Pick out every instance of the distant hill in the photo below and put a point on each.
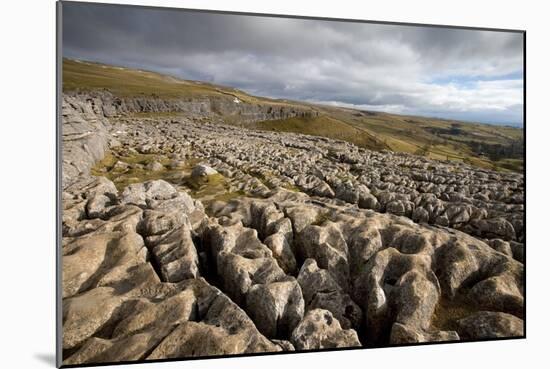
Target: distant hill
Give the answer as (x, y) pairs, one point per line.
(483, 145)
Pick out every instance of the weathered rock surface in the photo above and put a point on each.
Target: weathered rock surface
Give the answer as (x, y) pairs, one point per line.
(197, 239)
(486, 324)
(107, 105)
(277, 308)
(320, 330)
(401, 334)
(85, 137)
(203, 171)
(320, 290)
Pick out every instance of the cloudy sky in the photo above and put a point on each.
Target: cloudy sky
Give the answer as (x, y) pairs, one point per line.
(449, 73)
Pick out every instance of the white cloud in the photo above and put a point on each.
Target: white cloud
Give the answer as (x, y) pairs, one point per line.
(452, 73)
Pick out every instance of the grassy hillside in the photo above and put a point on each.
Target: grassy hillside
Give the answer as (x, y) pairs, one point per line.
(489, 146)
(493, 147)
(123, 82)
(325, 126)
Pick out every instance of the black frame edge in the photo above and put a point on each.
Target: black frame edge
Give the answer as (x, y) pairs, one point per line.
(292, 16)
(525, 184)
(58, 186)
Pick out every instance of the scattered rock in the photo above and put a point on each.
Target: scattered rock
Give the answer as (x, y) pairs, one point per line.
(202, 171)
(154, 166)
(139, 193)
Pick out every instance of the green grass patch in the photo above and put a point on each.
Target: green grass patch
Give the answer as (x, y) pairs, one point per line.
(324, 126)
(292, 188)
(515, 165)
(133, 169)
(321, 219)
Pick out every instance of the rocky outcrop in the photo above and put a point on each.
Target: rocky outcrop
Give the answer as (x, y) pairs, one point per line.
(120, 299)
(108, 105)
(84, 137)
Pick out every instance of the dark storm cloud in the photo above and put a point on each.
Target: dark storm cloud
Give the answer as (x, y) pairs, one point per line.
(451, 73)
